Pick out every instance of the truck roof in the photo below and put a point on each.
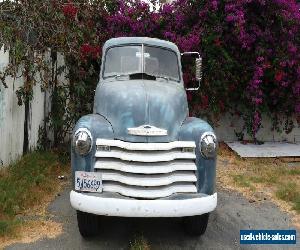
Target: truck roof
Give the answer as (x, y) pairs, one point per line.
(140, 40)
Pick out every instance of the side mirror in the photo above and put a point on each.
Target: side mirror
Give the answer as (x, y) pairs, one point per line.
(198, 63)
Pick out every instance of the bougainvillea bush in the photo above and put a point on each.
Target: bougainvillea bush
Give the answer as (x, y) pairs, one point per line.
(250, 48)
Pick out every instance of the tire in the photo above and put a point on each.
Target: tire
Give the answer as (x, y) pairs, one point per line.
(88, 224)
(195, 225)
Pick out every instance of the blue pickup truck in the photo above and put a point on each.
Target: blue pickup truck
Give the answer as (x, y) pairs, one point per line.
(140, 154)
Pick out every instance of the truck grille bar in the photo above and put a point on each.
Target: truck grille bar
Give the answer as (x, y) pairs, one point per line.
(146, 170)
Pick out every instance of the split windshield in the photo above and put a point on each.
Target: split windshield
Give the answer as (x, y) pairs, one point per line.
(129, 60)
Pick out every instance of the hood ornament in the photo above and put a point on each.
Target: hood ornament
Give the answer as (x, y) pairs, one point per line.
(147, 130)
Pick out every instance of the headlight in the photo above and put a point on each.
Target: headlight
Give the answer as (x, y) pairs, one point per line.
(208, 145)
(82, 141)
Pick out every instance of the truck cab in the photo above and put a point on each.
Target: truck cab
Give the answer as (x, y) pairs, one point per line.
(140, 154)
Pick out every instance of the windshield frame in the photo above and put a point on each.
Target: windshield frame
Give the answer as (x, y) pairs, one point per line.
(143, 45)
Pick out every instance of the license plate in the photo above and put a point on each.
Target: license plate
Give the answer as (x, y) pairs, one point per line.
(88, 181)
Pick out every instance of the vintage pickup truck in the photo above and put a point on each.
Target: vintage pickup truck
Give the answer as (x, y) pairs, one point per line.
(140, 154)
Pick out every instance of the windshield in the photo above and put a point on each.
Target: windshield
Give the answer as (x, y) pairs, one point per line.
(128, 60)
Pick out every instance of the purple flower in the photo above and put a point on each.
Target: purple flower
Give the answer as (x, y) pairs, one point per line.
(297, 108)
(260, 59)
(230, 18)
(167, 9)
(292, 48)
(257, 101)
(284, 84)
(214, 5)
(251, 59)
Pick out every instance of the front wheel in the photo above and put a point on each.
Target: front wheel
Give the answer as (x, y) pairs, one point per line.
(88, 224)
(195, 225)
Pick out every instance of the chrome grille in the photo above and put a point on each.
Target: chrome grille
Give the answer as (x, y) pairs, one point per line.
(146, 170)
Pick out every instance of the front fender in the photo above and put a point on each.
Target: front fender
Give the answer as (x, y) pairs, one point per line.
(99, 128)
(192, 130)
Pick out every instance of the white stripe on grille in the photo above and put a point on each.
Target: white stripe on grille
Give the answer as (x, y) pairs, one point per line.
(145, 146)
(147, 180)
(145, 156)
(148, 193)
(146, 168)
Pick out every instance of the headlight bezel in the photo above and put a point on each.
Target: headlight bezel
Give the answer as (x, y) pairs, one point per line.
(210, 153)
(89, 138)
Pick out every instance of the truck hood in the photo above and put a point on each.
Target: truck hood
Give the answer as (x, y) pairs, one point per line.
(134, 103)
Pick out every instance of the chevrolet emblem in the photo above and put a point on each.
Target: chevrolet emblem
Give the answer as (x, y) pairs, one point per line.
(147, 130)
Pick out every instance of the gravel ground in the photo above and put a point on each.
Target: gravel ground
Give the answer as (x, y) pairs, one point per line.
(233, 213)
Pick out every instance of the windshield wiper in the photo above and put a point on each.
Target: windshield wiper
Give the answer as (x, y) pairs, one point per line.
(118, 76)
(163, 77)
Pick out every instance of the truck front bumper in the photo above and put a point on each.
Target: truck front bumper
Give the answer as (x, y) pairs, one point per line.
(181, 207)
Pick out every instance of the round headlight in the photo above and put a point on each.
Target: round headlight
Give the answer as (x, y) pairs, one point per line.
(208, 145)
(82, 141)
